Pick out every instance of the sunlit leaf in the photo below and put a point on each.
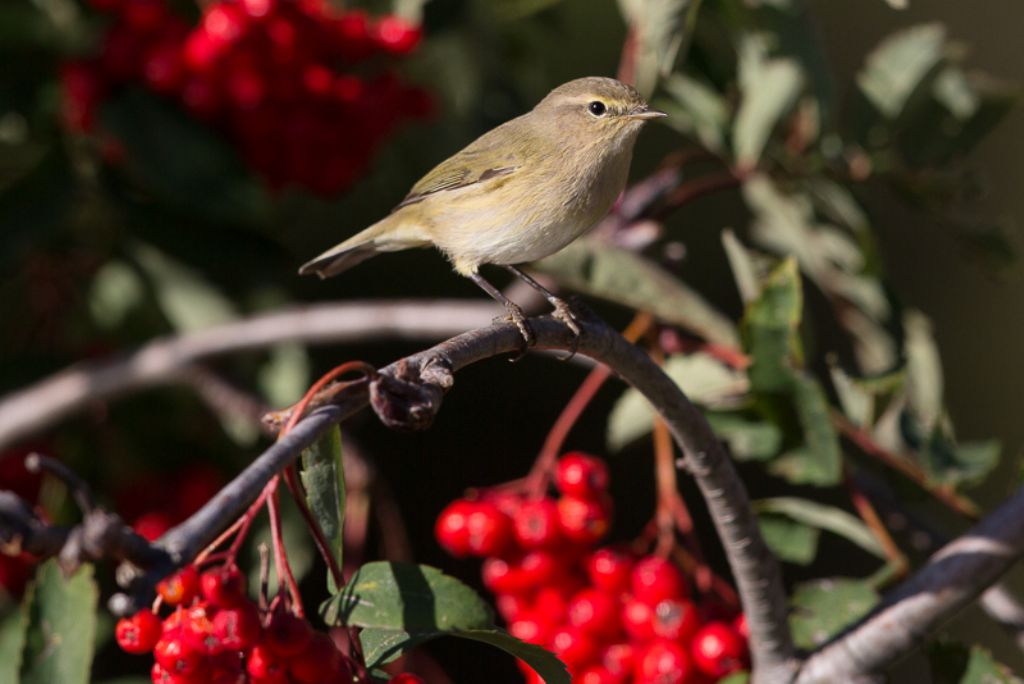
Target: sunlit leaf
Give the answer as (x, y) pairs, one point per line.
(658, 29)
(61, 633)
(628, 278)
(189, 300)
(821, 608)
(894, 69)
(14, 622)
(824, 517)
(115, 291)
(748, 439)
(285, 376)
(704, 379)
(769, 88)
(924, 371)
(696, 109)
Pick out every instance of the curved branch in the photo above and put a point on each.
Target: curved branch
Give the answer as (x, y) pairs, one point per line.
(29, 410)
(756, 570)
(951, 580)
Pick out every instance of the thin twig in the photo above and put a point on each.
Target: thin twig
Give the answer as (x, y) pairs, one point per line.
(896, 558)
(866, 443)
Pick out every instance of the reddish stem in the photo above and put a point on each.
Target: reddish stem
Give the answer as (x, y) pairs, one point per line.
(870, 516)
(536, 481)
(286, 579)
(298, 494)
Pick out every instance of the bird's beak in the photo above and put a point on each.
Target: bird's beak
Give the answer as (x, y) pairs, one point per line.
(645, 113)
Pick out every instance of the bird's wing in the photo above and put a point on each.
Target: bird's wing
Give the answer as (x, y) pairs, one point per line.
(488, 157)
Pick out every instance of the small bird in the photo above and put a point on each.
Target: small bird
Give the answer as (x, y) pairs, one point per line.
(516, 194)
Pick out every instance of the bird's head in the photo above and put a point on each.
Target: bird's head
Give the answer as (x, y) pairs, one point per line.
(596, 108)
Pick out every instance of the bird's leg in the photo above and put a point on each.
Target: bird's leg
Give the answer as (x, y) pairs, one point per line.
(562, 309)
(515, 314)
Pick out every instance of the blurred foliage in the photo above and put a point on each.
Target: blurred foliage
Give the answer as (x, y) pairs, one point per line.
(154, 226)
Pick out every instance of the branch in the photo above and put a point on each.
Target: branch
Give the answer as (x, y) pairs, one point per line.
(163, 360)
(915, 610)
(408, 394)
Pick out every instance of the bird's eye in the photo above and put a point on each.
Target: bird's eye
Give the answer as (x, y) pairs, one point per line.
(597, 108)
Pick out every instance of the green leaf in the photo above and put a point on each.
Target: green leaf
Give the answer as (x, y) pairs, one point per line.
(770, 330)
(736, 678)
(513, 10)
(821, 608)
(406, 597)
(189, 301)
(769, 88)
(822, 517)
(696, 109)
(952, 464)
(954, 663)
(284, 378)
(62, 629)
(748, 439)
(895, 69)
(381, 646)
(627, 278)
(115, 292)
(323, 475)
(924, 371)
(184, 163)
(823, 453)
(659, 28)
(14, 621)
(791, 541)
(703, 378)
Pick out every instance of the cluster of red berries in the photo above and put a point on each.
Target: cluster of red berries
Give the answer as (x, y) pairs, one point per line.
(217, 635)
(611, 616)
(275, 76)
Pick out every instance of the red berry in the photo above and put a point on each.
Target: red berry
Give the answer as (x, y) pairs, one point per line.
(287, 634)
(489, 531)
(595, 612)
(264, 666)
(177, 657)
(597, 674)
(161, 676)
(139, 633)
(638, 620)
(583, 520)
(512, 606)
(578, 474)
(172, 623)
(237, 628)
(163, 68)
(197, 630)
(676, 619)
(406, 678)
(718, 649)
(223, 587)
(451, 530)
(529, 571)
(151, 526)
(740, 625)
(180, 588)
(655, 579)
(224, 22)
(536, 524)
(664, 662)
(531, 630)
(609, 570)
(320, 662)
(396, 36)
(619, 659)
(144, 16)
(551, 604)
(574, 647)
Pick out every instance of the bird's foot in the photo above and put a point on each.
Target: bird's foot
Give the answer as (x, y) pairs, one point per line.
(515, 315)
(564, 313)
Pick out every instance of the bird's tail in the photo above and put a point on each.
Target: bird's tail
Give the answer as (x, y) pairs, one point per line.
(388, 235)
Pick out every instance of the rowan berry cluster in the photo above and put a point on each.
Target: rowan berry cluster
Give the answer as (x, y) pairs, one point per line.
(276, 77)
(613, 617)
(217, 635)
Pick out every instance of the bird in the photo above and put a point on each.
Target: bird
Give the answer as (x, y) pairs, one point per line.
(518, 193)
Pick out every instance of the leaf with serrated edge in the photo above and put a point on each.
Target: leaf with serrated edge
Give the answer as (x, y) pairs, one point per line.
(821, 608)
(619, 275)
(407, 597)
(323, 476)
(62, 628)
(823, 517)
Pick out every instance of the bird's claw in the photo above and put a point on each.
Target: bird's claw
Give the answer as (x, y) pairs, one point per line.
(564, 313)
(516, 316)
